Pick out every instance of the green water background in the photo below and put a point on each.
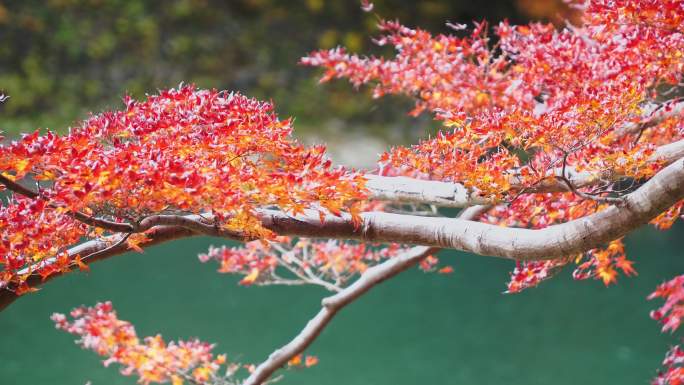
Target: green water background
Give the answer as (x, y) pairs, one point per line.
(415, 329)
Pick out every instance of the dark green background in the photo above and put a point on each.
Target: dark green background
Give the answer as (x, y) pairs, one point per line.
(415, 329)
(62, 58)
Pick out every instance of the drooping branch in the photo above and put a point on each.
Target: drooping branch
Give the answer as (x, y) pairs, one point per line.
(331, 305)
(98, 250)
(158, 229)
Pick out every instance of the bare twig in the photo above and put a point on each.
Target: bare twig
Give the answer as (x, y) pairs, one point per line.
(98, 250)
(330, 307)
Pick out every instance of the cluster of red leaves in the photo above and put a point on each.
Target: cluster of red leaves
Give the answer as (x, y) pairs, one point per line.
(602, 264)
(443, 72)
(523, 93)
(538, 211)
(672, 312)
(674, 371)
(183, 151)
(305, 260)
(665, 220)
(670, 315)
(30, 233)
(657, 18)
(152, 360)
(530, 274)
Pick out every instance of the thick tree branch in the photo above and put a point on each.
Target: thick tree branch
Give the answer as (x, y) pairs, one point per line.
(637, 208)
(655, 196)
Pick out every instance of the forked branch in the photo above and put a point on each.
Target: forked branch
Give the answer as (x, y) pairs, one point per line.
(331, 305)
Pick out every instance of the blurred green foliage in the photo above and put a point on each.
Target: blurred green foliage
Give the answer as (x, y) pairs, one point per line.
(60, 59)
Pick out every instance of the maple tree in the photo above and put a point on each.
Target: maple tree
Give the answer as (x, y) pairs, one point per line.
(556, 143)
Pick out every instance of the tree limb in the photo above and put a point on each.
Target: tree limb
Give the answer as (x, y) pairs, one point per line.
(639, 207)
(331, 305)
(98, 250)
(662, 191)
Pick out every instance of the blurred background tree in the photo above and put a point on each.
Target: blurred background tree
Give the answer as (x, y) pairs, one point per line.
(61, 59)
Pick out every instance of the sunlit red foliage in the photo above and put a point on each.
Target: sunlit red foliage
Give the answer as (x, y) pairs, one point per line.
(670, 315)
(674, 370)
(524, 94)
(665, 220)
(530, 274)
(32, 232)
(557, 96)
(153, 360)
(672, 312)
(602, 264)
(182, 151)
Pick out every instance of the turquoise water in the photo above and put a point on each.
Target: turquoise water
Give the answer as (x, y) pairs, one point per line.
(416, 329)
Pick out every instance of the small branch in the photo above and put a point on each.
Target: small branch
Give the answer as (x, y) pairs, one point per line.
(330, 307)
(588, 196)
(196, 223)
(98, 250)
(657, 115)
(95, 255)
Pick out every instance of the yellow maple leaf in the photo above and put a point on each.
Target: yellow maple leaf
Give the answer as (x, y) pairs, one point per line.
(251, 277)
